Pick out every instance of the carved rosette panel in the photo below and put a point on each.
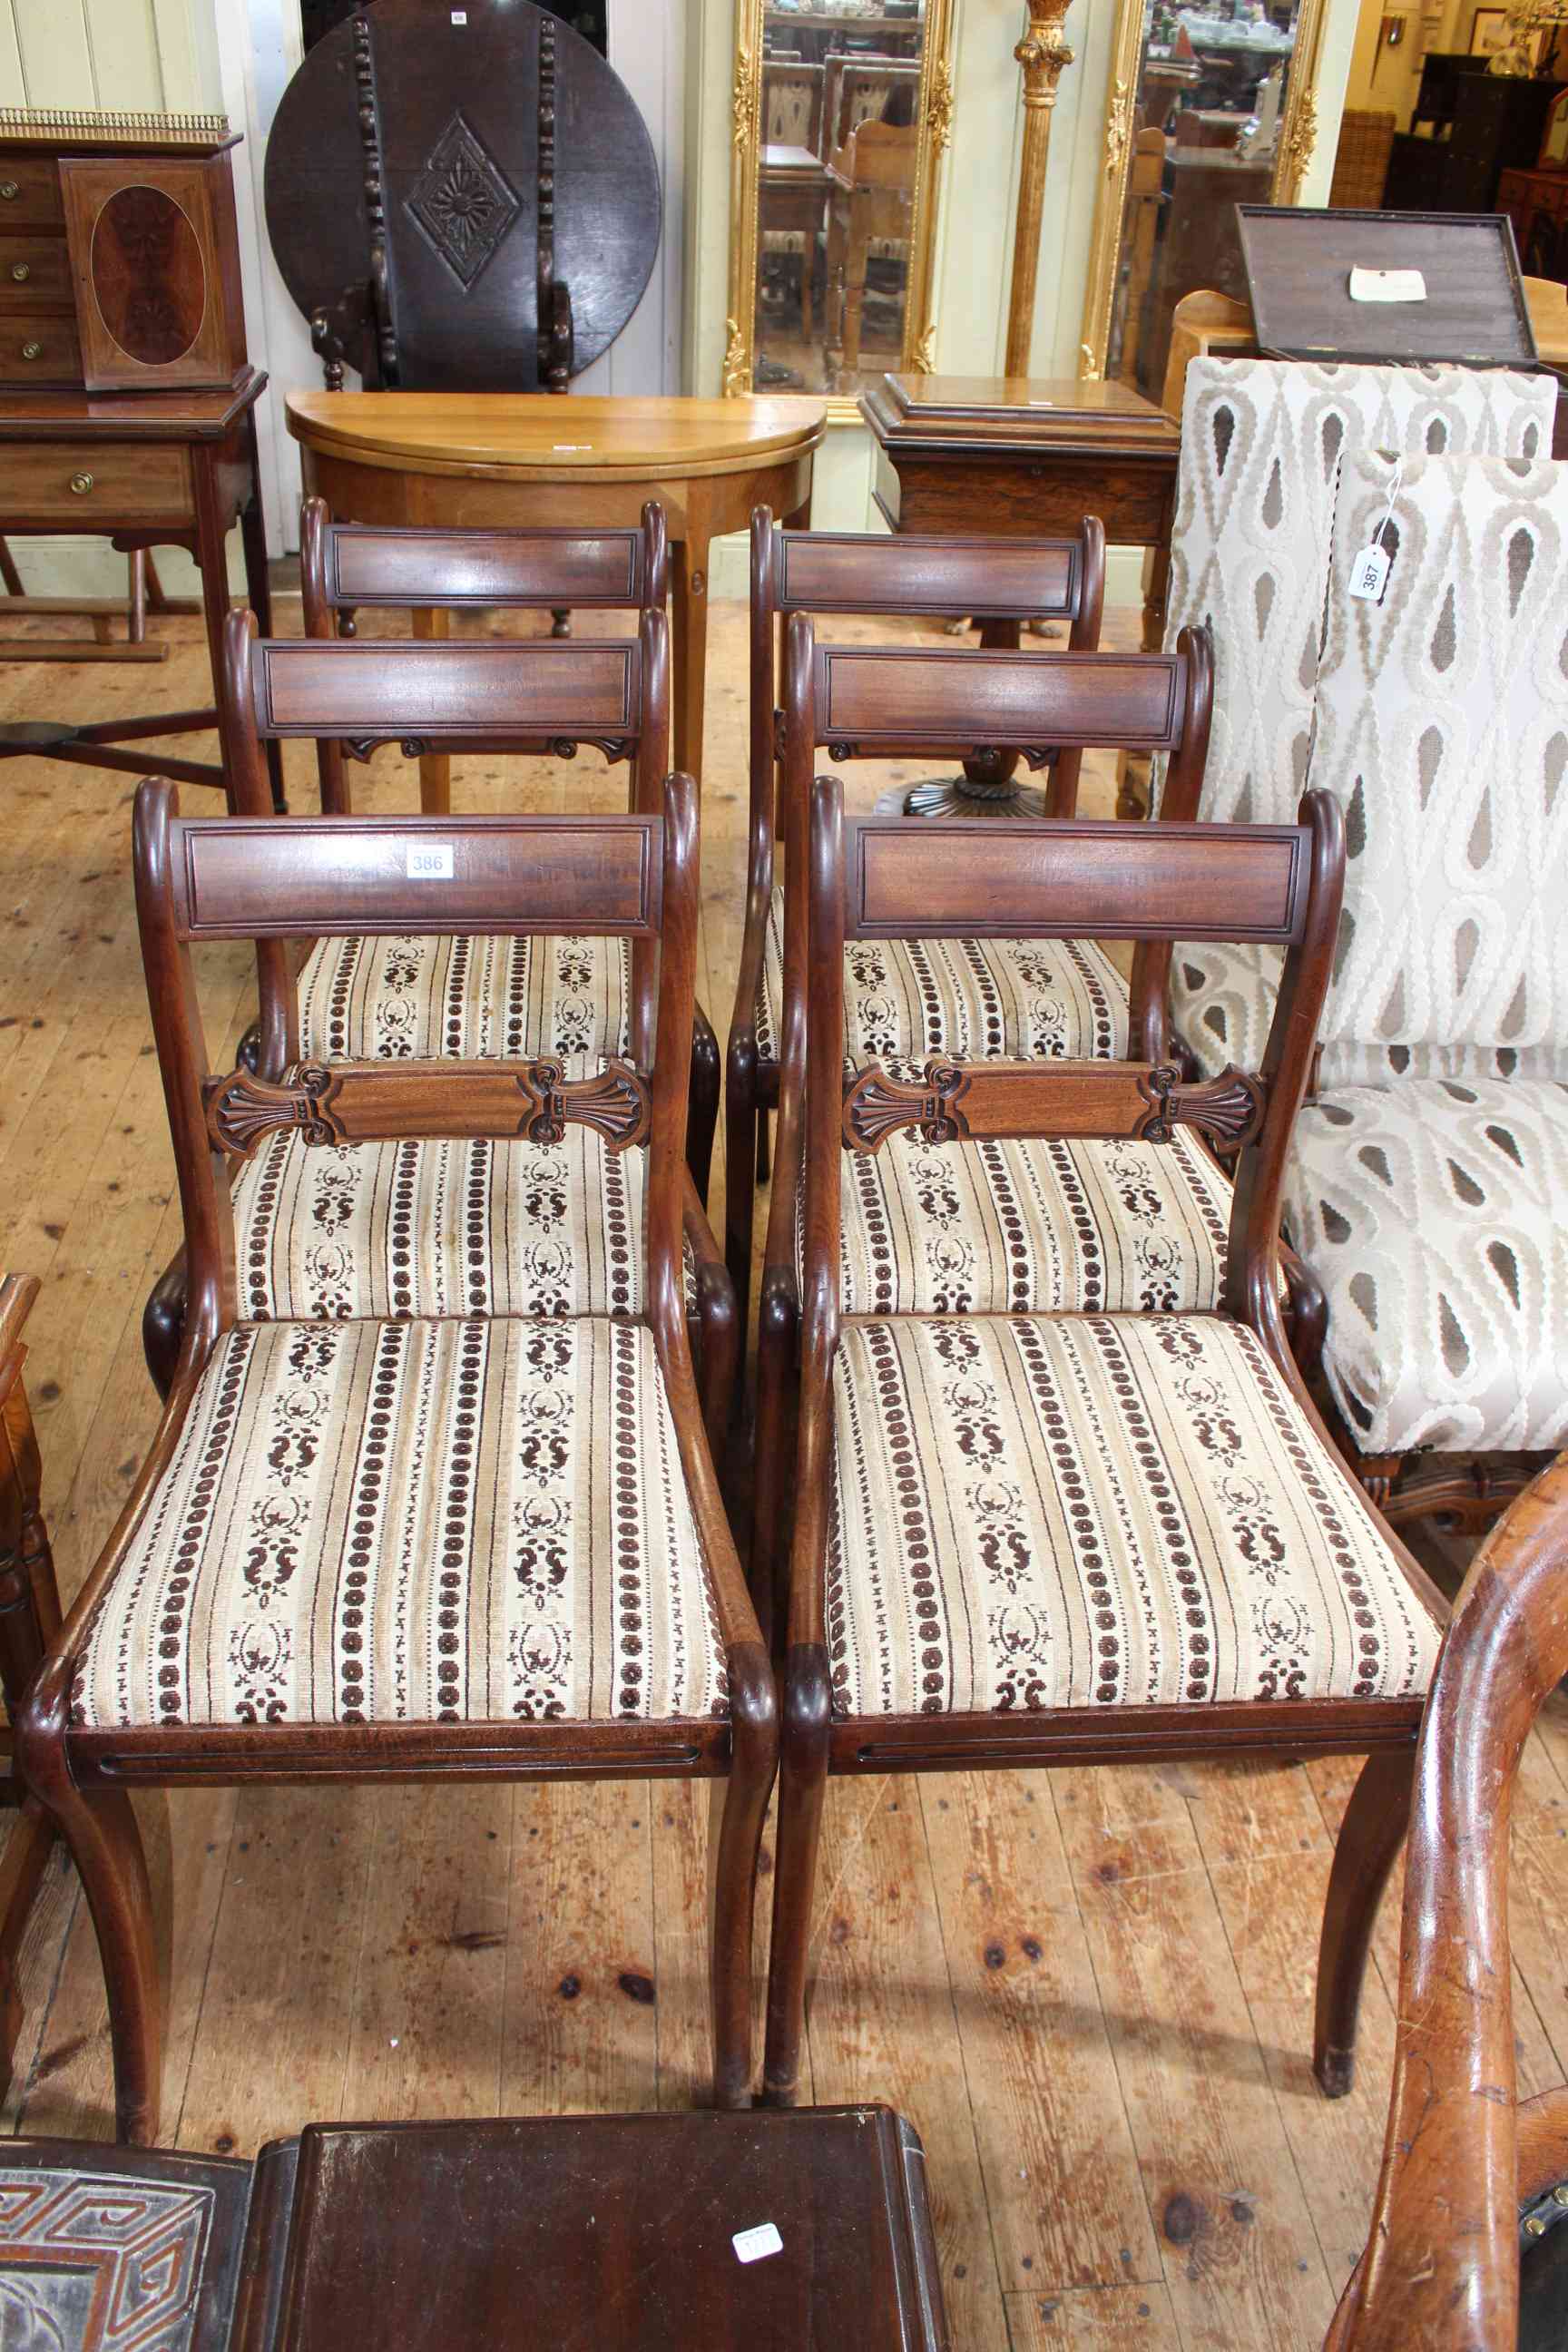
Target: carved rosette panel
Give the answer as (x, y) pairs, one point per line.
(1228, 1110)
(462, 201)
(347, 1103)
(877, 1106)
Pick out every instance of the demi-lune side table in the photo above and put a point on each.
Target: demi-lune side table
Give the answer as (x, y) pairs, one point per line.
(484, 461)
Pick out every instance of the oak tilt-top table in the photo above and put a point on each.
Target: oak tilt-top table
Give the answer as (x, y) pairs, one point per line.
(466, 460)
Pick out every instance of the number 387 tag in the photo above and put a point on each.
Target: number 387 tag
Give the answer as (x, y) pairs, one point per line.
(1369, 573)
(429, 861)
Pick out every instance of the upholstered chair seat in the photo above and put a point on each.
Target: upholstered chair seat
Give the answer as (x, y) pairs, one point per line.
(417, 999)
(423, 1522)
(426, 1227)
(1031, 1226)
(984, 1000)
(1078, 1511)
(1432, 1212)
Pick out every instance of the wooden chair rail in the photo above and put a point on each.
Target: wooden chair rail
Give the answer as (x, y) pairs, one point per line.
(585, 688)
(1140, 1102)
(363, 1102)
(350, 564)
(284, 878)
(1075, 879)
(827, 571)
(875, 699)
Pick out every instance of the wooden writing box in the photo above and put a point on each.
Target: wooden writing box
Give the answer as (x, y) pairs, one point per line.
(1299, 262)
(119, 253)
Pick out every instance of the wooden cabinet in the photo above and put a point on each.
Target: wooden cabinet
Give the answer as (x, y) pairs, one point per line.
(1537, 205)
(119, 253)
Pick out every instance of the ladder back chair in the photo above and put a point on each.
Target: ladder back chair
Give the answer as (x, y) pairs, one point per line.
(1071, 1536)
(1470, 2233)
(582, 998)
(420, 1540)
(979, 995)
(896, 578)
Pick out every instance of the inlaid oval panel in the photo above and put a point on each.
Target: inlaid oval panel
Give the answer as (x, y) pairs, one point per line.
(147, 275)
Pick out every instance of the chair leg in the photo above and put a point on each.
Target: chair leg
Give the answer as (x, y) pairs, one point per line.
(740, 1193)
(1380, 1475)
(734, 1843)
(99, 1825)
(702, 1117)
(802, 1784)
(1369, 1837)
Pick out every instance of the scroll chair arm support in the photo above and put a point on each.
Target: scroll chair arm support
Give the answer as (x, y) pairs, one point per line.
(1441, 2268)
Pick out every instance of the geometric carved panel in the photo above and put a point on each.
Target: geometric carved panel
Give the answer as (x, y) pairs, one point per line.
(461, 201)
(99, 2261)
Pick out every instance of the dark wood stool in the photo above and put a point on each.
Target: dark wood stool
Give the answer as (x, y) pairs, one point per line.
(635, 2233)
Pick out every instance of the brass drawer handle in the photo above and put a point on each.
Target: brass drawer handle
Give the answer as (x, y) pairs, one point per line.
(81, 484)
(32, 350)
(20, 272)
(9, 190)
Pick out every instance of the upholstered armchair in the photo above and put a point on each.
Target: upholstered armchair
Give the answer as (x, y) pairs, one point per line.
(1427, 1174)
(1261, 443)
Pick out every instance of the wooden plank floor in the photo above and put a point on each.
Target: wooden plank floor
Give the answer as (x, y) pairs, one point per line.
(1091, 1992)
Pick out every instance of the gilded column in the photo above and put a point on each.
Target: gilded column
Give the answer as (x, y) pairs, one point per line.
(1044, 56)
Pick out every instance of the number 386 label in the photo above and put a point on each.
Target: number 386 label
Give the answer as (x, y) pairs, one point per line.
(430, 861)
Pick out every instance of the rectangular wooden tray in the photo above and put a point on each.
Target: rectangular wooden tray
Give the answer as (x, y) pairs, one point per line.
(1299, 261)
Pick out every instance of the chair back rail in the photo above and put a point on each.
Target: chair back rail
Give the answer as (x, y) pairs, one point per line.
(518, 697)
(1275, 882)
(344, 566)
(1442, 2262)
(202, 879)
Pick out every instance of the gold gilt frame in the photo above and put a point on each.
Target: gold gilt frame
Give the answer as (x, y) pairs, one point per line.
(1298, 137)
(935, 115)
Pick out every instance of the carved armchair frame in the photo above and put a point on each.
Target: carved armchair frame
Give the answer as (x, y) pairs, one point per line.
(1277, 883)
(903, 577)
(876, 703)
(259, 878)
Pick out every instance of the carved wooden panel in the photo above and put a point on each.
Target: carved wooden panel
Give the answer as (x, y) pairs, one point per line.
(364, 1102)
(382, 566)
(904, 697)
(338, 875)
(818, 573)
(1138, 1101)
(97, 2262)
(456, 690)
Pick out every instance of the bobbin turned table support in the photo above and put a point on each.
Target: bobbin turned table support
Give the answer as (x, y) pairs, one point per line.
(459, 461)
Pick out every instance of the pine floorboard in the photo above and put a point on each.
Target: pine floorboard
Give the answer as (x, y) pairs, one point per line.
(1091, 1992)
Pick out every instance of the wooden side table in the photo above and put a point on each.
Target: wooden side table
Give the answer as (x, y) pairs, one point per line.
(456, 460)
(144, 469)
(777, 2230)
(1029, 458)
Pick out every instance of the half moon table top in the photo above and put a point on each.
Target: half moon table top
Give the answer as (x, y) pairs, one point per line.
(538, 436)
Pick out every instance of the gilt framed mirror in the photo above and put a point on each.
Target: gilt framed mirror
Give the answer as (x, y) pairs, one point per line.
(1211, 105)
(842, 113)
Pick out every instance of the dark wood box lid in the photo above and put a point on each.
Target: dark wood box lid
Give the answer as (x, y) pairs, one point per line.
(1013, 411)
(1299, 261)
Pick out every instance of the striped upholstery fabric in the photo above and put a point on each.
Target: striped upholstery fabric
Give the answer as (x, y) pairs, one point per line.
(1031, 1228)
(1078, 1511)
(979, 1000)
(395, 1231)
(475, 998)
(414, 1522)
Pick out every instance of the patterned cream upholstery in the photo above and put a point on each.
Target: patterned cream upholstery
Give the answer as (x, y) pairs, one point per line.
(981, 1000)
(414, 1522)
(1079, 1511)
(1432, 1214)
(1031, 1228)
(473, 998)
(1261, 441)
(425, 1228)
(1229, 990)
